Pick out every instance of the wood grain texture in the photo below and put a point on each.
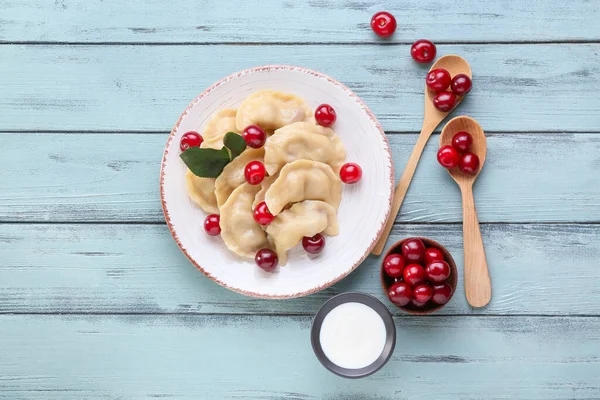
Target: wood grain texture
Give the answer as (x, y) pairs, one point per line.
(219, 357)
(57, 268)
(218, 21)
(107, 178)
(145, 88)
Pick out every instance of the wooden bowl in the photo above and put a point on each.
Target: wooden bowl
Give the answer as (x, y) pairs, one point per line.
(452, 280)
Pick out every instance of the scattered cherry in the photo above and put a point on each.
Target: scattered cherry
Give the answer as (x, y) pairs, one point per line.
(422, 293)
(462, 141)
(325, 115)
(437, 271)
(469, 163)
(383, 24)
(266, 259)
(448, 157)
(432, 254)
(350, 173)
(190, 139)
(262, 215)
(461, 84)
(254, 136)
(414, 274)
(441, 293)
(423, 51)
(211, 225)
(394, 265)
(444, 101)
(254, 172)
(313, 245)
(400, 293)
(438, 79)
(413, 251)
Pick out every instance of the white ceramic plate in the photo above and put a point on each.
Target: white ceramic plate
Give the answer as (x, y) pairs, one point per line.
(364, 209)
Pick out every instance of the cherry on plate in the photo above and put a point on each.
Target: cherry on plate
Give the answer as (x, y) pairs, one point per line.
(448, 157)
(423, 51)
(350, 173)
(254, 136)
(262, 215)
(190, 139)
(432, 254)
(444, 101)
(266, 259)
(325, 115)
(413, 251)
(461, 84)
(212, 225)
(441, 293)
(422, 293)
(469, 163)
(414, 274)
(314, 244)
(462, 141)
(437, 271)
(383, 24)
(438, 79)
(394, 265)
(400, 294)
(254, 172)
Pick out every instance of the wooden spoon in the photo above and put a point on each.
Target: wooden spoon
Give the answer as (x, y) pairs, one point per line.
(477, 278)
(455, 65)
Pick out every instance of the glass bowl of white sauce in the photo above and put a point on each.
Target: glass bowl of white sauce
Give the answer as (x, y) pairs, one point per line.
(353, 335)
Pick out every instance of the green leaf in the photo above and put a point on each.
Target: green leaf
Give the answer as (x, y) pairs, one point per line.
(205, 163)
(235, 143)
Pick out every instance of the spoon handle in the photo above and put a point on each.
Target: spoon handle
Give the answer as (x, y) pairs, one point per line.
(478, 287)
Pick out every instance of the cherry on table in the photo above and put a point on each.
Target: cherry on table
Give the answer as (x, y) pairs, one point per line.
(461, 84)
(314, 244)
(441, 293)
(437, 271)
(190, 139)
(462, 141)
(448, 157)
(350, 173)
(212, 225)
(413, 251)
(422, 293)
(383, 24)
(262, 215)
(394, 265)
(432, 254)
(400, 293)
(254, 172)
(325, 115)
(254, 136)
(469, 163)
(423, 51)
(414, 274)
(438, 79)
(266, 259)
(444, 101)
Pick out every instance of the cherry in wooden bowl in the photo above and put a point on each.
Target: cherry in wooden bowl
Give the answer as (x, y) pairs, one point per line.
(411, 248)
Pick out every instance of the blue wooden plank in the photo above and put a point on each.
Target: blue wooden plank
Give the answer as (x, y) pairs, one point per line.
(96, 177)
(516, 87)
(55, 268)
(294, 21)
(217, 357)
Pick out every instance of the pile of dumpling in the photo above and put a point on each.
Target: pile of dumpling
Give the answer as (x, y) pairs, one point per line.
(302, 188)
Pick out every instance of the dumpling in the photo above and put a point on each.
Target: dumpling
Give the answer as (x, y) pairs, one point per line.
(202, 192)
(233, 174)
(240, 233)
(264, 186)
(304, 180)
(271, 110)
(304, 140)
(217, 127)
(303, 219)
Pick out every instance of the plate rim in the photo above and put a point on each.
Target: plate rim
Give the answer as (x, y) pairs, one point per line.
(263, 68)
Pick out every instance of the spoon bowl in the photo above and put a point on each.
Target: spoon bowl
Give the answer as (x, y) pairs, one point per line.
(479, 146)
(455, 65)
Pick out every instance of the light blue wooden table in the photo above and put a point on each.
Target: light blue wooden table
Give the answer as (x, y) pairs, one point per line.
(96, 300)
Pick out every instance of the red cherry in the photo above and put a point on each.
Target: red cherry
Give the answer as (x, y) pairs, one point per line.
(438, 271)
(313, 245)
(448, 157)
(262, 215)
(438, 79)
(441, 293)
(462, 141)
(190, 139)
(266, 259)
(432, 254)
(211, 225)
(254, 136)
(414, 274)
(418, 304)
(325, 115)
(394, 265)
(254, 172)
(423, 51)
(461, 84)
(422, 293)
(350, 173)
(413, 251)
(383, 24)
(469, 163)
(400, 294)
(444, 101)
